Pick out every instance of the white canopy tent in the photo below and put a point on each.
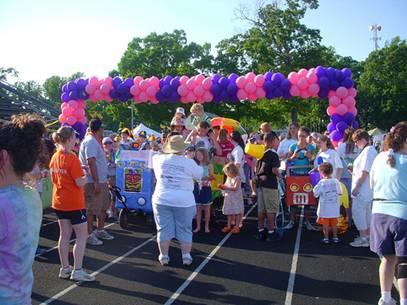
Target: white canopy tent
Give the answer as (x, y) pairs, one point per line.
(147, 130)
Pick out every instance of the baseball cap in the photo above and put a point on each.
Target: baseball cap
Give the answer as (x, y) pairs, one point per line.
(180, 110)
(142, 134)
(107, 140)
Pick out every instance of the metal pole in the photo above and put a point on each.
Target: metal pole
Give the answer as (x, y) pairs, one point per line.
(132, 117)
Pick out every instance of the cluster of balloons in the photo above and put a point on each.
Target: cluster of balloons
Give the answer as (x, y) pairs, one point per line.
(323, 82)
(73, 114)
(304, 83)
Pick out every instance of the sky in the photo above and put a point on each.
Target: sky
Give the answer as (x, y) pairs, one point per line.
(53, 37)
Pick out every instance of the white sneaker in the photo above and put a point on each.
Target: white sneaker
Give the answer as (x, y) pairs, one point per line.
(164, 259)
(186, 259)
(102, 234)
(65, 273)
(310, 227)
(109, 213)
(289, 226)
(360, 243)
(391, 302)
(81, 276)
(93, 240)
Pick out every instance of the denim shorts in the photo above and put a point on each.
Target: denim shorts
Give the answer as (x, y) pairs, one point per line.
(174, 222)
(388, 235)
(203, 196)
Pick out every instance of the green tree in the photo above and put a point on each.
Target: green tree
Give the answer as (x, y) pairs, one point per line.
(7, 72)
(383, 86)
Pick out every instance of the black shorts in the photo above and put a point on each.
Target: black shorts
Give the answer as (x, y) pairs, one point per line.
(76, 217)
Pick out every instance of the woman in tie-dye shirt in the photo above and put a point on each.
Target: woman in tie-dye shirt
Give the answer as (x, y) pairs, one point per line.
(20, 207)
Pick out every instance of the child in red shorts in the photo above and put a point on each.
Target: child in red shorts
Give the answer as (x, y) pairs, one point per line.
(328, 190)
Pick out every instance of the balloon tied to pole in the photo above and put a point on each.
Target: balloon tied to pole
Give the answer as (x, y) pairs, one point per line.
(321, 82)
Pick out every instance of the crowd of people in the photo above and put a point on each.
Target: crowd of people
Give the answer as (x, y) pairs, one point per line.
(183, 163)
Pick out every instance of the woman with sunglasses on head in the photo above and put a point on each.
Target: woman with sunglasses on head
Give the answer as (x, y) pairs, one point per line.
(361, 192)
(68, 201)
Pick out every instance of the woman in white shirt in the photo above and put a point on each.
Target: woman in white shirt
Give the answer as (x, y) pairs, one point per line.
(327, 153)
(173, 199)
(284, 147)
(361, 191)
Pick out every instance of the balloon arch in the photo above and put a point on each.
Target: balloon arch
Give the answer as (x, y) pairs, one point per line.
(326, 83)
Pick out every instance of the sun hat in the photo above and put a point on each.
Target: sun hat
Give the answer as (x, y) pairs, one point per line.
(107, 140)
(175, 144)
(180, 110)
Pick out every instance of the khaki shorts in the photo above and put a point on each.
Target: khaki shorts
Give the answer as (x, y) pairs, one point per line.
(267, 200)
(97, 203)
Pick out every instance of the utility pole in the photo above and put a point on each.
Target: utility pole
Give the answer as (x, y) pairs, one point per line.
(375, 28)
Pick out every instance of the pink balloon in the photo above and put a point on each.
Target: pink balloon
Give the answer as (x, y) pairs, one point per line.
(63, 105)
(151, 91)
(108, 81)
(61, 118)
(83, 120)
(331, 93)
(312, 78)
(107, 98)
(191, 97)
(259, 80)
(79, 113)
(207, 83)
(208, 97)
(241, 94)
(341, 92)
(135, 90)
(260, 93)
(252, 97)
(144, 85)
(182, 90)
(98, 95)
(93, 80)
(183, 79)
(352, 92)
(154, 80)
(295, 91)
(303, 72)
(199, 78)
(199, 90)
(341, 109)
(331, 110)
(199, 99)
(293, 77)
(154, 101)
(241, 82)
(81, 104)
(349, 101)
(90, 89)
(137, 80)
(68, 111)
(334, 101)
(191, 84)
(305, 94)
(250, 76)
(250, 87)
(71, 120)
(143, 97)
(313, 89)
(184, 100)
(335, 143)
(104, 88)
(302, 83)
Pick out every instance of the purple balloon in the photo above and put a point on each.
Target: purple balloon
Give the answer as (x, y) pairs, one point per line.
(347, 83)
(323, 82)
(215, 78)
(223, 82)
(320, 71)
(73, 95)
(129, 82)
(331, 73)
(331, 127)
(355, 124)
(268, 86)
(339, 75)
(114, 94)
(323, 93)
(160, 96)
(231, 88)
(215, 89)
(285, 85)
(83, 95)
(341, 126)
(65, 88)
(333, 84)
(116, 82)
(224, 96)
(268, 75)
(277, 92)
(122, 88)
(174, 96)
(336, 118)
(336, 135)
(348, 118)
(347, 72)
(65, 97)
(71, 85)
(81, 84)
(167, 79)
(233, 76)
(277, 78)
(287, 95)
(175, 83)
(166, 90)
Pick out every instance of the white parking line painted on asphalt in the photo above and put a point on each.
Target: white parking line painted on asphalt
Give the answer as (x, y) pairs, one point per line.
(293, 270)
(56, 247)
(202, 265)
(100, 270)
(49, 223)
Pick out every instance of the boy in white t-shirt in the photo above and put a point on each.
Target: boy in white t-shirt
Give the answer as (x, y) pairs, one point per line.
(328, 190)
